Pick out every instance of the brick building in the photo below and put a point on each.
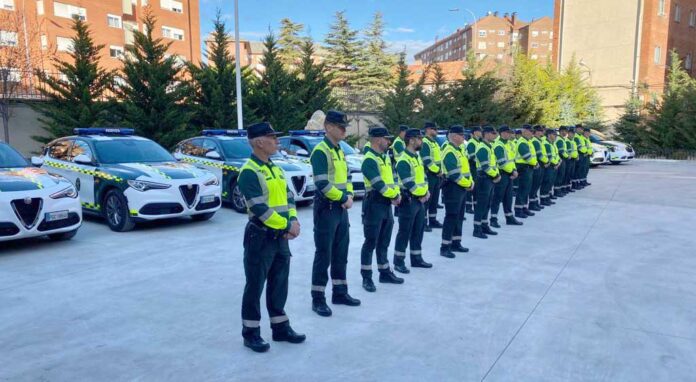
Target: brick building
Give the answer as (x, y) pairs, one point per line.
(624, 45)
(112, 23)
(493, 37)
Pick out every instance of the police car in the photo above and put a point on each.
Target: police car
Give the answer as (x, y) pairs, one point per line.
(600, 155)
(128, 179)
(300, 143)
(618, 152)
(224, 152)
(33, 202)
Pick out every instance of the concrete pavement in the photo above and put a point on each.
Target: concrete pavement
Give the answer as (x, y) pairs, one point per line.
(604, 290)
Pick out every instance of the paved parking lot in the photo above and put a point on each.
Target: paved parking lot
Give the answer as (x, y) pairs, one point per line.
(601, 287)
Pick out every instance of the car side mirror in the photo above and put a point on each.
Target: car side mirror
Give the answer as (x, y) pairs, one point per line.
(302, 153)
(213, 155)
(37, 161)
(283, 152)
(178, 156)
(83, 159)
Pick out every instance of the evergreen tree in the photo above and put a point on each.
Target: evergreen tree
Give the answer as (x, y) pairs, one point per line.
(629, 128)
(290, 43)
(78, 98)
(400, 102)
(344, 50)
(214, 97)
(313, 90)
(375, 67)
(525, 90)
(153, 95)
(436, 104)
(476, 97)
(275, 97)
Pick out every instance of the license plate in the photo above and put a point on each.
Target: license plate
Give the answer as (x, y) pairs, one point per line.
(58, 215)
(207, 198)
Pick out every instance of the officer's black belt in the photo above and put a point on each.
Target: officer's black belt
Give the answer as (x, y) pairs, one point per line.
(377, 197)
(272, 234)
(323, 201)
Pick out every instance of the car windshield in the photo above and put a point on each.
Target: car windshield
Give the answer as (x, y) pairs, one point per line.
(441, 139)
(131, 151)
(347, 149)
(595, 138)
(236, 148)
(10, 158)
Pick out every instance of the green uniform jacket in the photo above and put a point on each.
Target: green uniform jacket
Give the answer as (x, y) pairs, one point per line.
(320, 169)
(370, 170)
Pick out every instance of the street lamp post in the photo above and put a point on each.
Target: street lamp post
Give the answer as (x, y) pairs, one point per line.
(238, 69)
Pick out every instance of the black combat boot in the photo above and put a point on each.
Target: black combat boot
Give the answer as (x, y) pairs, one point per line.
(519, 213)
(528, 212)
(253, 340)
(446, 252)
(388, 277)
(457, 247)
(400, 265)
(344, 299)
(510, 220)
(494, 222)
(418, 262)
(286, 334)
(435, 224)
(368, 285)
(487, 229)
(478, 232)
(320, 307)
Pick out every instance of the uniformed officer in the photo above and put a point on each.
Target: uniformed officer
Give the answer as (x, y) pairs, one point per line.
(432, 160)
(458, 182)
(526, 162)
(471, 147)
(573, 156)
(272, 222)
(579, 140)
(378, 221)
(414, 196)
(588, 153)
(559, 186)
(398, 146)
(548, 142)
(487, 175)
(538, 173)
(367, 146)
(504, 151)
(331, 203)
(516, 181)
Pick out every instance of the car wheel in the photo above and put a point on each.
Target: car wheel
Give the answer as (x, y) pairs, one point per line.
(63, 236)
(615, 163)
(203, 217)
(116, 212)
(237, 199)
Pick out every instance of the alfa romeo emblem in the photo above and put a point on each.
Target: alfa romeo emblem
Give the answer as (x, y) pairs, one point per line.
(27, 200)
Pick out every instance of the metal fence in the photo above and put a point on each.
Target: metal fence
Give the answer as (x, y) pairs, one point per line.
(20, 86)
(675, 154)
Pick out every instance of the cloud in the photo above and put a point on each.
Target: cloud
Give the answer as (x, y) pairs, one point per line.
(402, 30)
(411, 47)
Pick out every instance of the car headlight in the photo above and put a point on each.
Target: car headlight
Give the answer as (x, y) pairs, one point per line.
(69, 192)
(212, 182)
(142, 186)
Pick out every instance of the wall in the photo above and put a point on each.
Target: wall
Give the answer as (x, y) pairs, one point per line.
(24, 124)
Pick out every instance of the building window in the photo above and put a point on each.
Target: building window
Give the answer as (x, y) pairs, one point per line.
(535, 33)
(499, 57)
(115, 51)
(7, 5)
(172, 5)
(661, 8)
(114, 21)
(515, 35)
(535, 45)
(688, 62)
(69, 11)
(173, 33)
(482, 33)
(501, 44)
(8, 38)
(692, 19)
(501, 33)
(482, 45)
(10, 75)
(39, 7)
(677, 13)
(44, 42)
(551, 35)
(658, 55)
(64, 44)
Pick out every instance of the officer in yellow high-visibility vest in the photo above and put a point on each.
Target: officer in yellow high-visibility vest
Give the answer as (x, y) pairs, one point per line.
(538, 173)
(487, 176)
(458, 181)
(581, 144)
(432, 160)
(548, 142)
(272, 222)
(414, 196)
(526, 162)
(471, 147)
(504, 151)
(513, 143)
(332, 200)
(561, 147)
(589, 151)
(573, 156)
(377, 218)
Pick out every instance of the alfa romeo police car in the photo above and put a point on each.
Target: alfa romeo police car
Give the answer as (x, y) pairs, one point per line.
(33, 202)
(300, 143)
(224, 152)
(128, 179)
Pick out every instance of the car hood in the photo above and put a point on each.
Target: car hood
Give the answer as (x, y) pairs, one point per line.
(614, 143)
(27, 179)
(598, 147)
(155, 171)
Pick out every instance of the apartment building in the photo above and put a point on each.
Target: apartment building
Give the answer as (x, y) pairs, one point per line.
(493, 37)
(624, 45)
(112, 23)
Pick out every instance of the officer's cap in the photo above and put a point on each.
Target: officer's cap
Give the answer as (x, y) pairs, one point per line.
(503, 129)
(571, 129)
(488, 129)
(430, 125)
(538, 128)
(336, 118)
(379, 132)
(403, 128)
(456, 129)
(413, 133)
(261, 129)
(563, 128)
(551, 131)
(518, 131)
(526, 127)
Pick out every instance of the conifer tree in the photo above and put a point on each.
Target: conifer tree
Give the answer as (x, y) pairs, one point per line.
(313, 91)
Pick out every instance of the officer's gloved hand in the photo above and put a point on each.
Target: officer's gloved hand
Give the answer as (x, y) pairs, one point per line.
(294, 230)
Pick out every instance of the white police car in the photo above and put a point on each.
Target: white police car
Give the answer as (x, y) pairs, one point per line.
(128, 179)
(33, 202)
(223, 152)
(300, 143)
(600, 155)
(618, 152)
